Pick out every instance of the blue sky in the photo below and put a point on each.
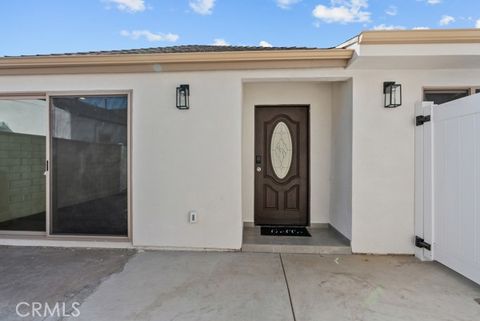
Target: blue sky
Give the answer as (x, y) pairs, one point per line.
(49, 26)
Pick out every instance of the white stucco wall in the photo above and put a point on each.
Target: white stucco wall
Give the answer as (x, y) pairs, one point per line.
(184, 160)
(187, 160)
(383, 156)
(341, 158)
(316, 94)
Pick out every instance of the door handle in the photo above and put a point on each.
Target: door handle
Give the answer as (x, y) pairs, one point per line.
(259, 169)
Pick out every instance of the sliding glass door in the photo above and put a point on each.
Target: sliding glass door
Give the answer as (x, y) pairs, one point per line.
(88, 158)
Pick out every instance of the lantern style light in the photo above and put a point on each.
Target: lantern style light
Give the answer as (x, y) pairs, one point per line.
(183, 97)
(393, 94)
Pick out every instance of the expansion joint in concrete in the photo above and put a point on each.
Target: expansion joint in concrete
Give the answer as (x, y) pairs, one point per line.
(288, 288)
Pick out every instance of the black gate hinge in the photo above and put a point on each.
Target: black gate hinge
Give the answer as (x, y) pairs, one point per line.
(420, 120)
(419, 242)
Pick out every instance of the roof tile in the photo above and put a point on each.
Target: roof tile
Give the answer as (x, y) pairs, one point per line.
(172, 49)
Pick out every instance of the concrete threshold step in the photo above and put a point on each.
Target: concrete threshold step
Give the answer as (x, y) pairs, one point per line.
(295, 248)
(322, 241)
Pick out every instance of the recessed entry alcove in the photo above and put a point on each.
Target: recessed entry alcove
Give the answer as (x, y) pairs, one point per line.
(297, 163)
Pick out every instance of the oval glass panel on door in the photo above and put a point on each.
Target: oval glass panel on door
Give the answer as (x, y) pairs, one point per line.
(281, 150)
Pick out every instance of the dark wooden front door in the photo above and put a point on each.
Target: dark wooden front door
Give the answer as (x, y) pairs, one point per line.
(281, 165)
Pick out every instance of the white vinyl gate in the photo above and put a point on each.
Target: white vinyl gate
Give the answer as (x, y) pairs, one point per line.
(447, 184)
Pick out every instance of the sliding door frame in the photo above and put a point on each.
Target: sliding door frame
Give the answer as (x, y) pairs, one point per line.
(49, 96)
(28, 96)
(48, 137)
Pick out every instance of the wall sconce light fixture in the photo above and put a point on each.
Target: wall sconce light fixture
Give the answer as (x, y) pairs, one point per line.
(183, 97)
(393, 94)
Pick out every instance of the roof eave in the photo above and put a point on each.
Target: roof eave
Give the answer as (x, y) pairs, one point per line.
(430, 36)
(172, 58)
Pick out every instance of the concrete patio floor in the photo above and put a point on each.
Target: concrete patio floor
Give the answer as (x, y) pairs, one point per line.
(154, 285)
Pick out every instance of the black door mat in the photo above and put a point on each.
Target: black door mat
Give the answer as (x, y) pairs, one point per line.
(284, 231)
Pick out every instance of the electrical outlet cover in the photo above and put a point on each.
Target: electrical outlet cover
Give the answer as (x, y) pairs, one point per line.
(192, 217)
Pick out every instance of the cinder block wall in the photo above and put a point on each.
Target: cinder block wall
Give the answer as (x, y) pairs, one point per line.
(86, 171)
(22, 183)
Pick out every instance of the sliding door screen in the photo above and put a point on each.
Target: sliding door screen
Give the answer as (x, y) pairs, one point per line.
(23, 128)
(89, 165)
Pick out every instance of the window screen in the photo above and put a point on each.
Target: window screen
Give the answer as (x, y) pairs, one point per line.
(89, 165)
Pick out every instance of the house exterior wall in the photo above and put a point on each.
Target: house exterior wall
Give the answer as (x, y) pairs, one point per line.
(318, 96)
(341, 158)
(383, 156)
(185, 160)
(181, 160)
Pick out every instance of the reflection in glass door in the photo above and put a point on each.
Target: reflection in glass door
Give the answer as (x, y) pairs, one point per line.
(22, 164)
(89, 165)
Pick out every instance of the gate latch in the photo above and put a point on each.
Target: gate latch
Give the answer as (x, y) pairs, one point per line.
(420, 243)
(420, 120)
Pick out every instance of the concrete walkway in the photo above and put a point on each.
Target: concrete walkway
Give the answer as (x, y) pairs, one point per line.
(124, 285)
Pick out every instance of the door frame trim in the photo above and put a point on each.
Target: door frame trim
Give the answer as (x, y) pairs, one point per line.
(307, 106)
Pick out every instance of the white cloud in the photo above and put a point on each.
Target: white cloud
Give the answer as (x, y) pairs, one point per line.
(420, 28)
(431, 2)
(265, 44)
(392, 11)
(388, 27)
(149, 36)
(343, 11)
(128, 5)
(220, 42)
(203, 7)
(286, 4)
(446, 20)
(477, 24)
